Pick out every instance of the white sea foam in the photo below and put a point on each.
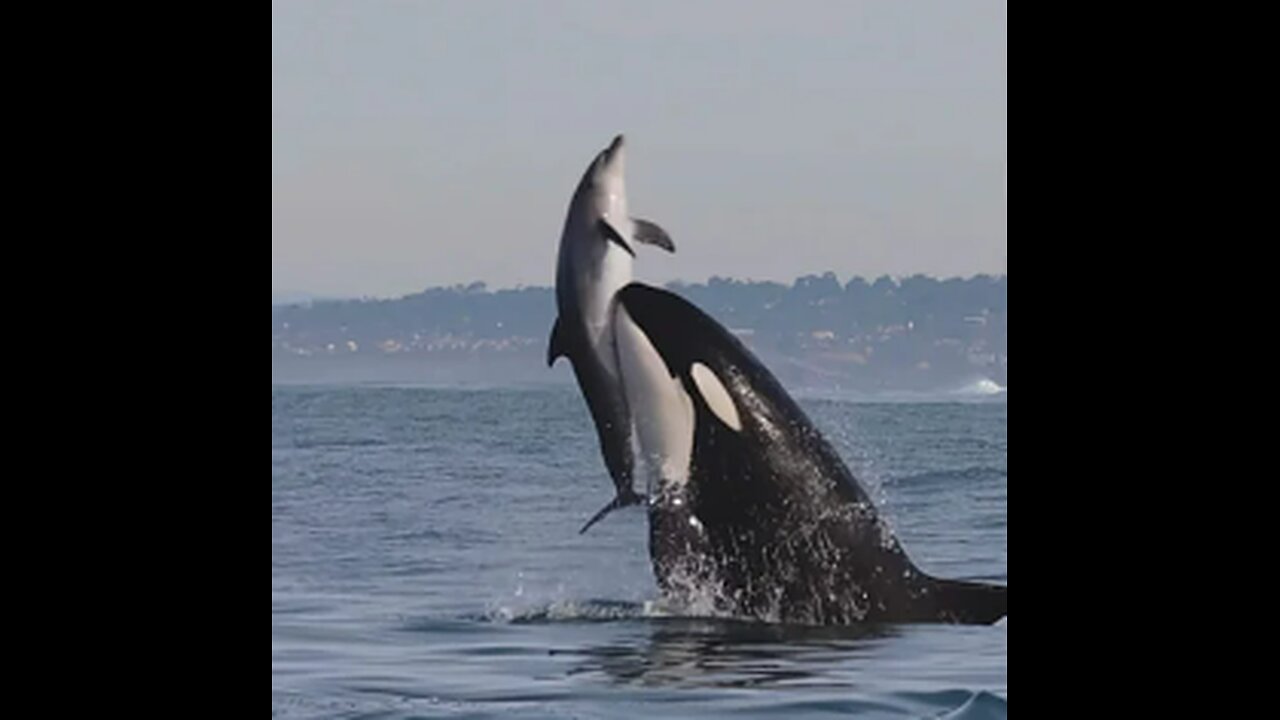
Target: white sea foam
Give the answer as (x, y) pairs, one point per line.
(982, 386)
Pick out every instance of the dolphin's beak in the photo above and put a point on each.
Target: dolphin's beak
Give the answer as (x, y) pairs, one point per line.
(610, 160)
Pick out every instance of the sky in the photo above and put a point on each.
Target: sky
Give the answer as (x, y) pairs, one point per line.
(416, 144)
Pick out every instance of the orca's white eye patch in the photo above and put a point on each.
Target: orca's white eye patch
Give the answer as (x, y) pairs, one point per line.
(715, 395)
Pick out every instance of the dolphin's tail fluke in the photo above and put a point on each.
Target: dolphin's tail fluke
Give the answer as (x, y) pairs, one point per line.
(623, 499)
(971, 603)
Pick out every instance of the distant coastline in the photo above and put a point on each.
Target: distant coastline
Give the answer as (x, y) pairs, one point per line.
(911, 334)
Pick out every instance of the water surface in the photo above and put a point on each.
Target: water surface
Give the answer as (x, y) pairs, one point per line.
(425, 562)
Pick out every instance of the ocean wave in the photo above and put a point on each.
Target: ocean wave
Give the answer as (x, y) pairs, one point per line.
(593, 610)
(981, 704)
(946, 477)
(982, 387)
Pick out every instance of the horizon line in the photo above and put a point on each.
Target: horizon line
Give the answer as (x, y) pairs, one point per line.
(300, 296)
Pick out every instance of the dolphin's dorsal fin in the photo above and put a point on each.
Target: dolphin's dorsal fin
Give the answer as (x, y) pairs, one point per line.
(556, 345)
(611, 234)
(650, 234)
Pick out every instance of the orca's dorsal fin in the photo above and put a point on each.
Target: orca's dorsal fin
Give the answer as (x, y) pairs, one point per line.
(622, 500)
(650, 234)
(556, 345)
(611, 234)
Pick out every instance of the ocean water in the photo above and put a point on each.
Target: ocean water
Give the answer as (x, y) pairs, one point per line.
(426, 562)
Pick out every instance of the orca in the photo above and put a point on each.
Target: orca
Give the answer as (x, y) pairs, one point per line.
(596, 251)
(750, 509)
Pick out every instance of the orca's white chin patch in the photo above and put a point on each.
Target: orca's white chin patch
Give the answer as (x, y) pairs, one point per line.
(660, 408)
(716, 396)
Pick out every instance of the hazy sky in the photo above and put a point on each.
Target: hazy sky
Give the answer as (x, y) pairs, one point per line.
(430, 143)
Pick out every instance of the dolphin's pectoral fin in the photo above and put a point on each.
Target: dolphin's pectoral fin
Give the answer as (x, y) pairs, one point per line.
(650, 234)
(622, 500)
(556, 345)
(611, 234)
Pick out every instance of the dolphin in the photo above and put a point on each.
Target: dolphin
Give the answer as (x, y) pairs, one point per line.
(596, 251)
(751, 510)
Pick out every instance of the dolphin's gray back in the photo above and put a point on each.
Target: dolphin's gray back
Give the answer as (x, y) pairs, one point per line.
(601, 388)
(608, 406)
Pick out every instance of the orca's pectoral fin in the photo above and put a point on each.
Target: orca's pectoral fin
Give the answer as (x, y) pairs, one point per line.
(611, 234)
(556, 344)
(650, 234)
(620, 501)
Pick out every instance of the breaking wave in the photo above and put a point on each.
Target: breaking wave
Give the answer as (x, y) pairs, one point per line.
(982, 387)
